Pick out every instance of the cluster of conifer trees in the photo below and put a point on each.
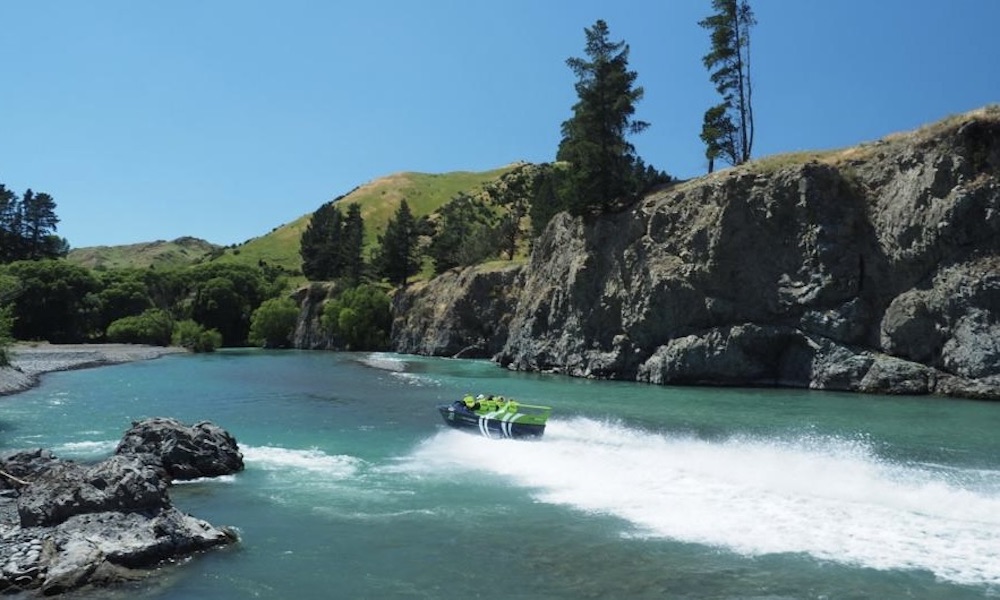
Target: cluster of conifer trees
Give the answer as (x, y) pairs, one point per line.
(596, 171)
(27, 226)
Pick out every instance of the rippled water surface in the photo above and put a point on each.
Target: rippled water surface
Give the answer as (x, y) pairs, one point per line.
(355, 489)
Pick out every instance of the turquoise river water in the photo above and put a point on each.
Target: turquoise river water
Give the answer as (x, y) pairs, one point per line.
(354, 488)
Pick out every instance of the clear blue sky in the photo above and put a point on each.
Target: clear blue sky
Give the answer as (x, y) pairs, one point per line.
(223, 119)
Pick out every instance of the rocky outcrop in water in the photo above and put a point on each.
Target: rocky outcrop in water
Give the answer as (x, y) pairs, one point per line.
(873, 269)
(64, 525)
(186, 452)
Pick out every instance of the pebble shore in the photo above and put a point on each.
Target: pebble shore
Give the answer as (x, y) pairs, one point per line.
(30, 361)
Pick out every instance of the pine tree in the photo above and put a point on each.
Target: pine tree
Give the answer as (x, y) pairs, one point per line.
(594, 138)
(728, 127)
(512, 193)
(10, 231)
(353, 244)
(40, 220)
(397, 258)
(319, 246)
(546, 201)
(465, 234)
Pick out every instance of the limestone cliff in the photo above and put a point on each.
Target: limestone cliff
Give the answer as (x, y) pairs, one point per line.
(873, 269)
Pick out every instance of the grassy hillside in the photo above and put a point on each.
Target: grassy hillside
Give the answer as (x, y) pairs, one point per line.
(378, 200)
(177, 253)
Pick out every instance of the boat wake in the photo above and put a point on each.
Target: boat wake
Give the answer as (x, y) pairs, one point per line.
(384, 362)
(831, 498)
(316, 462)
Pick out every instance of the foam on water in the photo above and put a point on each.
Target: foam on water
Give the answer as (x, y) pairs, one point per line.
(272, 458)
(416, 380)
(383, 361)
(85, 449)
(217, 479)
(830, 498)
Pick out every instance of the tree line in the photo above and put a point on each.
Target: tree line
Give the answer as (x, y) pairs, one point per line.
(28, 225)
(596, 170)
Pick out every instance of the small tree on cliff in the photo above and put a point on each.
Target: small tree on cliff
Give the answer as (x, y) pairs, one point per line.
(594, 139)
(727, 129)
(397, 256)
(465, 234)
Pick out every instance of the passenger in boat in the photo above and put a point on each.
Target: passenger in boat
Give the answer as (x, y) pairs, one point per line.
(468, 401)
(511, 406)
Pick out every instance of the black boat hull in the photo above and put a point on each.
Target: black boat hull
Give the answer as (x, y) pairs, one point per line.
(495, 425)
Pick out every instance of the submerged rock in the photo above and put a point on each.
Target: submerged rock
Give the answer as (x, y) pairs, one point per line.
(64, 525)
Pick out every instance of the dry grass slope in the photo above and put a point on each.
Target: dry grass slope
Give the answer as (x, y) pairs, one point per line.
(379, 199)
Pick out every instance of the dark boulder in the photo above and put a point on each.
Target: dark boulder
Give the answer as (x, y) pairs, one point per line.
(65, 525)
(186, 452)
(20, 465)
(110, 547)
(121, 483)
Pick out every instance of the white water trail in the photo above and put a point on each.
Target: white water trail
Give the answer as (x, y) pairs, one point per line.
(313, 461)
(833, 499)
(85, 450)
(384, 362)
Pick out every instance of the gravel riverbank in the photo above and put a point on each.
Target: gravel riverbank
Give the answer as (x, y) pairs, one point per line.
(30, 361)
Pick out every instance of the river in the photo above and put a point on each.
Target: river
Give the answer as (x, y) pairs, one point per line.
(354, 488)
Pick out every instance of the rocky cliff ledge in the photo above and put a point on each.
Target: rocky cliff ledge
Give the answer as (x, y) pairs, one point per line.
(872, 269)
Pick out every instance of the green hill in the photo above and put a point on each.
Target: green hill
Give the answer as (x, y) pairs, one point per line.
(378, 199)
(161, 254)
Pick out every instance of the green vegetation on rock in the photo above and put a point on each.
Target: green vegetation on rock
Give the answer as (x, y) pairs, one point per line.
(360, 318)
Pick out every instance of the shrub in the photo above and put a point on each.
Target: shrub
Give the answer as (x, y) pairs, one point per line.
(273, 323)
(153, 326)
(195, 337)
(6, 324)
(360, 317)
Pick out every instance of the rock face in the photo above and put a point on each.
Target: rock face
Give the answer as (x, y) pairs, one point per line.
(463, 314)
(309, 332)
(873, 269)
(201, 450)
(64, 525)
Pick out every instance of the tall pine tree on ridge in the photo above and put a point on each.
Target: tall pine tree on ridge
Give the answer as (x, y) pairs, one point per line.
(601, 174)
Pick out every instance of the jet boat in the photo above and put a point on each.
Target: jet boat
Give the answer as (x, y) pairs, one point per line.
(497, 418)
